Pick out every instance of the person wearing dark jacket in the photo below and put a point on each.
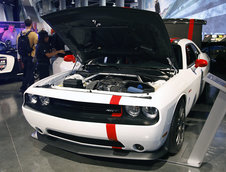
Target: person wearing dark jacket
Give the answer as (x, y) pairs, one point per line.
(157, 6)
(44, 53)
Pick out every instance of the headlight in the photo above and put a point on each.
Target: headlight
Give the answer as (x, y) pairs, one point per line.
(44, 100)
(150, 112)
(133, 111)
(33, 99)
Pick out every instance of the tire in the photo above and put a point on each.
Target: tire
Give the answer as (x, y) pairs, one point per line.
(176, 135)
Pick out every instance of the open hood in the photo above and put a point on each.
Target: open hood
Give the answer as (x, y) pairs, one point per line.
(94, 32)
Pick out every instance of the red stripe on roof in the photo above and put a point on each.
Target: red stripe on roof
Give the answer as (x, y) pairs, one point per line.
(191, 28)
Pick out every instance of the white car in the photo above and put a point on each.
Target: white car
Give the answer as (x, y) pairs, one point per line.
(129, 98)
(10, 66)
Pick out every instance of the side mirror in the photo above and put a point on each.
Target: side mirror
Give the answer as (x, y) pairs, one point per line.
(69, 58)
(201, 63)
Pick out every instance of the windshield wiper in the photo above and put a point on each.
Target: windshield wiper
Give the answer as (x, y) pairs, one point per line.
(165, 71)
(150, 77)
(101, 65)
(45, 86)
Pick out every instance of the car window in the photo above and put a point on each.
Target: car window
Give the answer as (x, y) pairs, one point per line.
(196, 51)
(178, 55)
(191, 54)
(2, 46)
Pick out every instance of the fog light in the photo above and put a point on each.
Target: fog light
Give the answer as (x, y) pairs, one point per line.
(33, 99)
(138, 147)
(44, 100)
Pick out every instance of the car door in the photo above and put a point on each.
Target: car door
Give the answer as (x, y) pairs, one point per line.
(194, 74)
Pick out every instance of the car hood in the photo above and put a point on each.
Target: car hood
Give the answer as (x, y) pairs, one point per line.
(94, 32)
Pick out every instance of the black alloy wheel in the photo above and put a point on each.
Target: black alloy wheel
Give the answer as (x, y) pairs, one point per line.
(176, 135)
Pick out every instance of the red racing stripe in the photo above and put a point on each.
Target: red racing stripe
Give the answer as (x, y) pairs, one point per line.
(113, 147)
(191, 28)
(115, 100)
(111, 132)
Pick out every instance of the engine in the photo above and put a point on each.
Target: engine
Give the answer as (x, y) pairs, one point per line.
(106, 82)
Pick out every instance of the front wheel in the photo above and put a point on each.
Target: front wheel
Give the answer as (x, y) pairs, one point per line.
(176, 135)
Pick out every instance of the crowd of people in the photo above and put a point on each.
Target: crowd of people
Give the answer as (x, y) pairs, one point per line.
(35, 50)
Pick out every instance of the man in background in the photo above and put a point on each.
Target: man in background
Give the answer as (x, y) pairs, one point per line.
(10, 35)
(157, 6)
(28, 58)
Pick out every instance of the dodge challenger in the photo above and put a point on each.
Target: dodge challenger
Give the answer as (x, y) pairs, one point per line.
(129, 98)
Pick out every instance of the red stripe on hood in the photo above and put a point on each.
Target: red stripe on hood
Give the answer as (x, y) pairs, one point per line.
(115, 100)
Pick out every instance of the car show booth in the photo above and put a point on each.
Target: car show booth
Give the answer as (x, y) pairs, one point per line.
(139, 85)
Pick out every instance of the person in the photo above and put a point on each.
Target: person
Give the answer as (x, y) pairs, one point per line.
(11, 35)
(55, 43)
(157, 6)
(44, 53)
(28, 75)
(1, 32)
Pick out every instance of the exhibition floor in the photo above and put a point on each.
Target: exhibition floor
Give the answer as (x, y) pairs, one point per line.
(19, 152)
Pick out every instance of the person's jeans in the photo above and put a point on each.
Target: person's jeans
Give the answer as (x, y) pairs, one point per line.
(28, 76)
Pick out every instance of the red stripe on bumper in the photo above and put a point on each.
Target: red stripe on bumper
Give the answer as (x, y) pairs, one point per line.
(111, 132)
(190, 29)
(113, 147)
(115, 100)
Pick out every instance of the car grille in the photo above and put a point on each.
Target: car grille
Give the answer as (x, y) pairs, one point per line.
(87, 107)
(85, 140)
(89, 112)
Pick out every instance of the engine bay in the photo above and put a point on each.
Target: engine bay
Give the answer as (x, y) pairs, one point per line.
(112, 82)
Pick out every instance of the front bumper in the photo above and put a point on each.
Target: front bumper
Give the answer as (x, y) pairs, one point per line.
(101, 152)
(150, 137)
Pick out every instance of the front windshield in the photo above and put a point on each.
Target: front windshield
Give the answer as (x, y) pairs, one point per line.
(125, 62)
